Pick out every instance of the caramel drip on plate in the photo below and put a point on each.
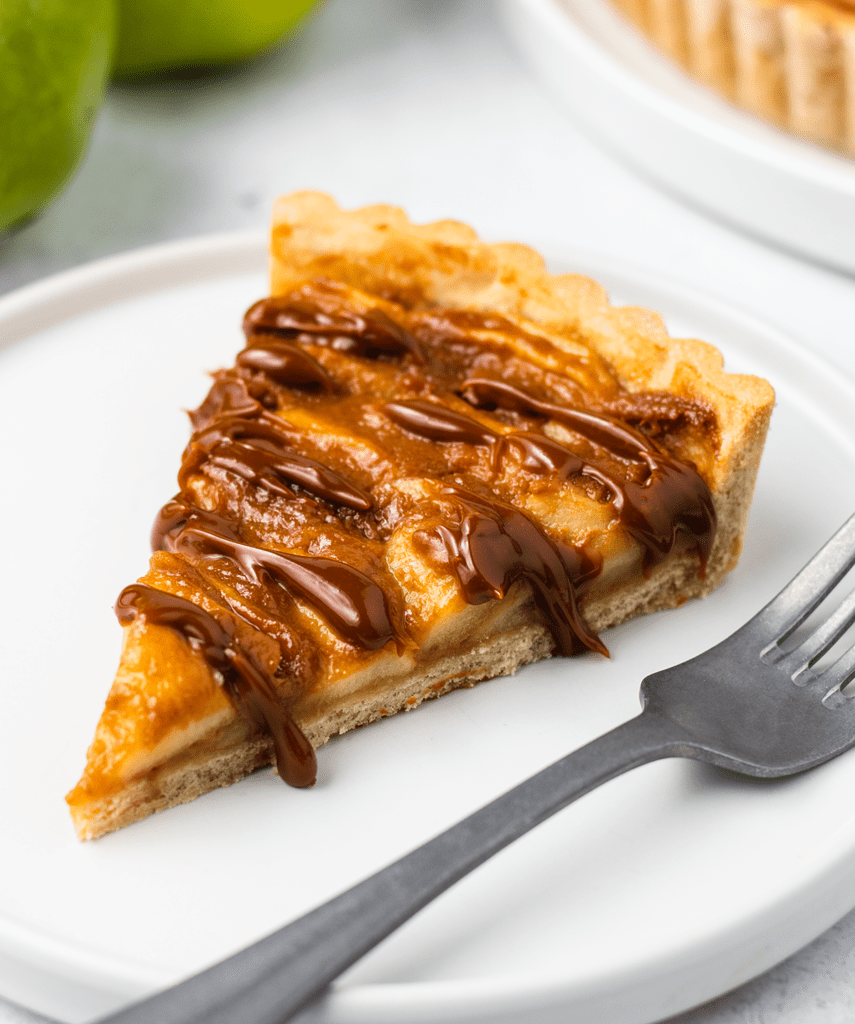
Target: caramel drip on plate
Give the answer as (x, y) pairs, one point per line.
(292, 474)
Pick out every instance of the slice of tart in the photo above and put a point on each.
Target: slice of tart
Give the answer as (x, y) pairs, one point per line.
(432, 462)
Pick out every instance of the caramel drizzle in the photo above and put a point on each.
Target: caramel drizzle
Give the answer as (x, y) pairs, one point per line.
(283, 362)
(249, 687)
(671, 497)
(321, 318)
(437, 423)
(253, 446)
(352, 603)
(488, 545)
(496, 545)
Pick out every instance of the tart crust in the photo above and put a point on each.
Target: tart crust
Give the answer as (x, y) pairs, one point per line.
(169, 732)
(790, 62)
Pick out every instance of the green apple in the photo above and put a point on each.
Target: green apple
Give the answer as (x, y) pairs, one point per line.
(54, 63)
(161, 35)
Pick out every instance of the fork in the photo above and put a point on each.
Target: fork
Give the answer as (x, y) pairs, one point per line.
(751, 704)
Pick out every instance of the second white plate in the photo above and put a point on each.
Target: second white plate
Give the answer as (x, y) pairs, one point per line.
(662, 889)
(656, 118)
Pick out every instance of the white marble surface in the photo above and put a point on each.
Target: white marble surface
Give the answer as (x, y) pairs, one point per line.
(426, 103)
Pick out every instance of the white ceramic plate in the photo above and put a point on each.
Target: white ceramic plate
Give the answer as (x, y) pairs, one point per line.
(682, 135)
(657, 891)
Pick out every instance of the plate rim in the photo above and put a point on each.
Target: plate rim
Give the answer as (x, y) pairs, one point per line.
(811, 161)
(207, 256)
(604, 96)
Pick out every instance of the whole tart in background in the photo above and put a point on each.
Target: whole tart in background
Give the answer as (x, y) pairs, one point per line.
(792, 62)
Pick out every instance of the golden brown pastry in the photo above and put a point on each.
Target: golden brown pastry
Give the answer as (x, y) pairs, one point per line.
(792, 62)
(432, 463)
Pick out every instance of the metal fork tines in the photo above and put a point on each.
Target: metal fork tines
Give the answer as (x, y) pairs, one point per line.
(808, 589)
(801, 598)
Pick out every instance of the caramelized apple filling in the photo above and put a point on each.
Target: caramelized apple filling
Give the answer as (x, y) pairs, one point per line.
(359, 448)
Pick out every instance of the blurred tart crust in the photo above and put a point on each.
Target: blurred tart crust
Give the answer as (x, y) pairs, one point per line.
(790, 62)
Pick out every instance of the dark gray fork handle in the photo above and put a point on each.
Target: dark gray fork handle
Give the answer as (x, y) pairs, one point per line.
(269, 982)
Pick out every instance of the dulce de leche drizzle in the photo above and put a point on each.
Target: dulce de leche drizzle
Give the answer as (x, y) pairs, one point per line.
(284, 362)
(495, 545)
(437, 423)
(671, 496)
(288, 487)
(352, 603)
(254, 445)
(321, 317)
(248, 686)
